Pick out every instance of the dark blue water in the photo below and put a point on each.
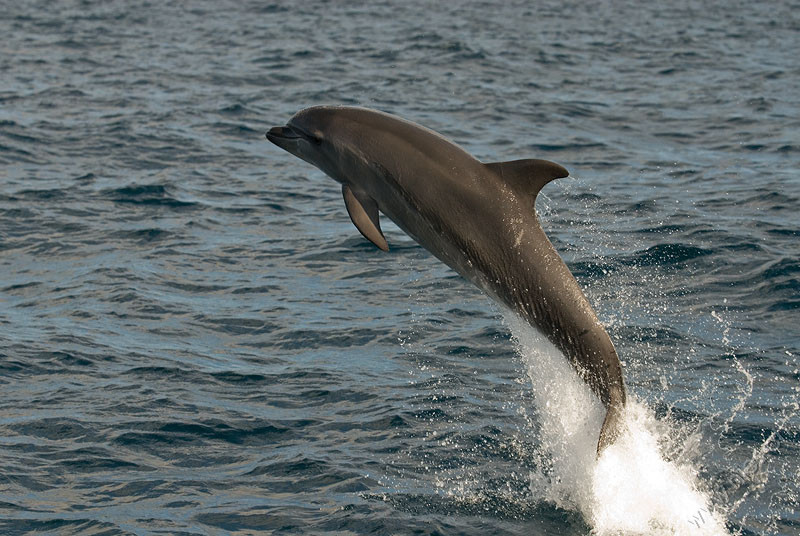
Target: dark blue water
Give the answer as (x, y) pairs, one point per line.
(195, 340)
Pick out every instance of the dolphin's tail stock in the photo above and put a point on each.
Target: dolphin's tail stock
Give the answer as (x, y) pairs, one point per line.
(612, 426)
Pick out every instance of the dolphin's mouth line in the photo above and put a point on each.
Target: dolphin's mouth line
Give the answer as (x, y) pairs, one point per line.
(283, 133)
(291, 133)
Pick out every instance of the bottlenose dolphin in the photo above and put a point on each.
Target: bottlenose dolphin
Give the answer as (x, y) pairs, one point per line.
(477, 218)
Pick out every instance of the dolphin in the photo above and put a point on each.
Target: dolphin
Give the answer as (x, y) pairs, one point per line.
(478, 218)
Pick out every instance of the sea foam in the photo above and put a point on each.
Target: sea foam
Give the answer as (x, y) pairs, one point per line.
(632, 488)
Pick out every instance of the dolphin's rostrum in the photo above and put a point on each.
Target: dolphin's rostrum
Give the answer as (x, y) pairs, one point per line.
(477, 218)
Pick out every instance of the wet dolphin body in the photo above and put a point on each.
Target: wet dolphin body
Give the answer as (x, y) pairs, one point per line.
(477, 218)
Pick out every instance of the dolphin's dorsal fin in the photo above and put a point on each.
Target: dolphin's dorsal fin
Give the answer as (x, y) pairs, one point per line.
(528, 175)
(363, 212)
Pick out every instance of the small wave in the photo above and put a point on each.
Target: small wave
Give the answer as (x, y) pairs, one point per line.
(9, 154)
(788, 148)
(143, 235)
(773, 201)
(781, 268)
(335, 338)
(149, 435)
(55, 429)
(264, 289)
(666, 228)
(238, 326)
(550, 147)
(649, 334)
(785, 305)
(235, 130)
(23, 138)
(54, 524)
(148, 194)
(666, 254)
(233, 109)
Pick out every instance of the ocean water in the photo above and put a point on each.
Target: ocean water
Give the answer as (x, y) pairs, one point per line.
(194, 339)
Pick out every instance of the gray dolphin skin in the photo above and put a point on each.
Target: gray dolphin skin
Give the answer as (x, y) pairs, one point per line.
(477, 218)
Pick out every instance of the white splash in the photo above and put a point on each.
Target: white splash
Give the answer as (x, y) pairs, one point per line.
(631, 489)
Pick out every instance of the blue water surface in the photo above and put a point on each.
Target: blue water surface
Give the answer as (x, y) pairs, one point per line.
(195, 340)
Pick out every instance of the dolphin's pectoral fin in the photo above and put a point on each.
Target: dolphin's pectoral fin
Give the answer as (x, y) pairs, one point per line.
(363, 212)
(528, 175)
